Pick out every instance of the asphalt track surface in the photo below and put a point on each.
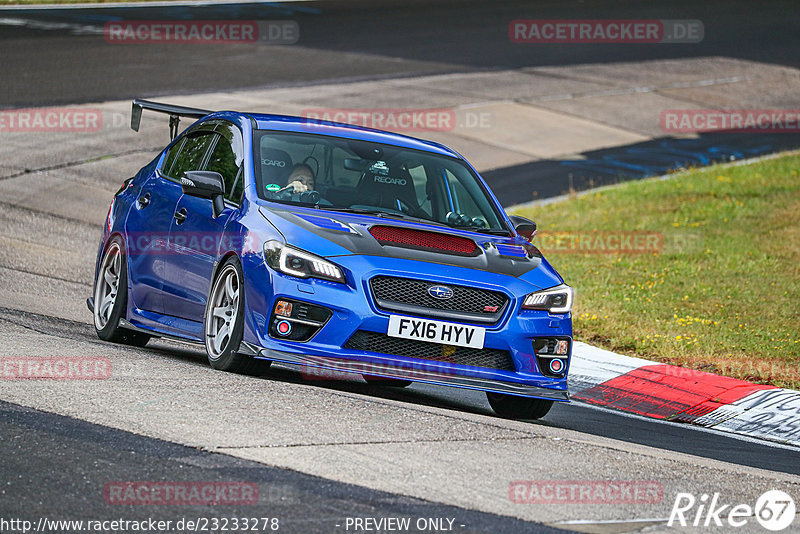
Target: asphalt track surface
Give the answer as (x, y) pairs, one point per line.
(57, 467)
(53, 57)
(573, 416)
(303, 503)
(339, 41)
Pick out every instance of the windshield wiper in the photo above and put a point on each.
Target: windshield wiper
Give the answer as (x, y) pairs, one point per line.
(383, 214)
(292, 203)
(393, 215)
(489, 231)
(361, 211)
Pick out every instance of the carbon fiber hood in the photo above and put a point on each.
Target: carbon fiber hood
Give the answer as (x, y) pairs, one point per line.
(331, 234)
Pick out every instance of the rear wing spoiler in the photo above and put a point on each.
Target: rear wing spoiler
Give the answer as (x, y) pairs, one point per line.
(175, 113)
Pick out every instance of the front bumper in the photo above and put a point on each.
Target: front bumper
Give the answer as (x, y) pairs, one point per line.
(417, 375)
(354, 309)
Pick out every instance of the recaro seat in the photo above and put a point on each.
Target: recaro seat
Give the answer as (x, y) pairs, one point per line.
(384, 190)
(276, 166)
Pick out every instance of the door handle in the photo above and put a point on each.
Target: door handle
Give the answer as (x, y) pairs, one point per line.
(180, 215)
(144, 200)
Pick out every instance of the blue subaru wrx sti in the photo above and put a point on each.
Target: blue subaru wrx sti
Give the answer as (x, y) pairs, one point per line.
(274, 238)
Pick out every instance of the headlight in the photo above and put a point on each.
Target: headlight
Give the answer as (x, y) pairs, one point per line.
(555, 300)
(296, 262)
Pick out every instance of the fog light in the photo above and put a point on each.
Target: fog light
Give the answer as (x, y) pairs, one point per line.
(284, 328)
(283, 308)
(552, 355)
(295, 320)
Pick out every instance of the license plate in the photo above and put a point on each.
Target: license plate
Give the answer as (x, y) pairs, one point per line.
(460, 335)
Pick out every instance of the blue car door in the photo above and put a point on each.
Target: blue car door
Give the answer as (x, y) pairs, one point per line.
(147, 234)
(195, 233)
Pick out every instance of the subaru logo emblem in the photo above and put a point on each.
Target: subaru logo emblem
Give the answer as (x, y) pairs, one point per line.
(440, 292)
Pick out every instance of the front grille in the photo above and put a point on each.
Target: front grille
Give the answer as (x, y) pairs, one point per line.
(409, 348)
(411, 296)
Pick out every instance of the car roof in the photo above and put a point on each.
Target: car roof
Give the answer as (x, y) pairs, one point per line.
(348, 131)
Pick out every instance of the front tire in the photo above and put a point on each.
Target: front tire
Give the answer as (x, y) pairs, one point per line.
(223, 324)
(516, 407)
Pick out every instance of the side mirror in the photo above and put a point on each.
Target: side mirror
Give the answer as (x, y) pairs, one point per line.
(205, 184)
(524, 227)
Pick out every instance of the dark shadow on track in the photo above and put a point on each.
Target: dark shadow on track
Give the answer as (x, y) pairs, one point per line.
(548, 178)
(575, 416)
(59, 467)
(676, 437)
(580, 417)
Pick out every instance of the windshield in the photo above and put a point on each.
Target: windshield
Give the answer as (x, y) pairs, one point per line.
(359, 176)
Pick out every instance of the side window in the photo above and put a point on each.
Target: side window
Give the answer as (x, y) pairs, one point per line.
(171, 155)
(190, 157)
(228, 157)
(223, 161)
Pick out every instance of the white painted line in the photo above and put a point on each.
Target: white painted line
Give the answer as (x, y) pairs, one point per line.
(772, 414)
(177, 3)
(610, 521)
(77, 29)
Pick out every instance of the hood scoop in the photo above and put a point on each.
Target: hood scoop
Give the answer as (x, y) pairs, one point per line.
(424, 240)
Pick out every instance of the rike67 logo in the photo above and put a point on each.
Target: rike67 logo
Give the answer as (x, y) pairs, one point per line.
(774, 510)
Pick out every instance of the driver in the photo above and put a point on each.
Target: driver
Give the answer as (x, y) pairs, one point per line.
(301, 179)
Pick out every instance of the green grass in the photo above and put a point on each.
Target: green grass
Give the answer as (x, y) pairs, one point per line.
(723, 295)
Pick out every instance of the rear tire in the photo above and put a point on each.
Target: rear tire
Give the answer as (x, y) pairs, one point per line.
(515, 407)
(111, 297)
(223, 324)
